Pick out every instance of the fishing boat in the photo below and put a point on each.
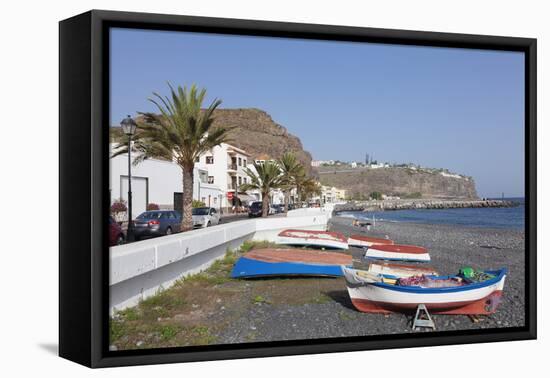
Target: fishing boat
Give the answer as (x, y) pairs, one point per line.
(398, 252)
(395, 271)
(367, 241)
(321, 239)
(293, 262)
(440, 294)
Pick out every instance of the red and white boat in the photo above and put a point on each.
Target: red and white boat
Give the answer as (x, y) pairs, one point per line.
(367, 241)
(398, 252)
(442, 294)
(322, 239)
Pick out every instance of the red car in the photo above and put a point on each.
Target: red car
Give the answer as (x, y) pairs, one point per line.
(116, 236)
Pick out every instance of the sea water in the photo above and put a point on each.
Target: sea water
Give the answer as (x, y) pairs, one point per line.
(487, 217)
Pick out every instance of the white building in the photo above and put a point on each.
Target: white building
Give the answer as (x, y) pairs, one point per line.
(329, 194)
(225, 166)
(318, 163)
(217, 175)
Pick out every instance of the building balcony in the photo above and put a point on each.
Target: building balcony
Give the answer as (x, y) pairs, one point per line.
(232, 167)
(231, 187)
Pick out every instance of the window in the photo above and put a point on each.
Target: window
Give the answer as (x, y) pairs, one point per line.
(244, 180)
(210, 160)
(240, 180)
(197, 159)
(210, 179)
(240, 162)
(203, 176)
(244, 162)
(215, 200)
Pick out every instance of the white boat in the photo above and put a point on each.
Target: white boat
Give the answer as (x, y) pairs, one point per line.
(441, 295)
(366, 241)
(398, 252)
(321, 239)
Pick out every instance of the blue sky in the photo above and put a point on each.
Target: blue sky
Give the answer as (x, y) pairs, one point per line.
(459, 109)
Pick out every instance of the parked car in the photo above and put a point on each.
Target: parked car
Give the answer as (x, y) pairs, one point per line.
(279, 208)
(205, 217)
(255, 209)
(156, 223)
(116, 236)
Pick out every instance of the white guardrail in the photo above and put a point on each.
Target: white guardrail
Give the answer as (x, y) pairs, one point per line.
(139, 270)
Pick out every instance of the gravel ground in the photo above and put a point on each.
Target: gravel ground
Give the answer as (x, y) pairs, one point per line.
(450, 248)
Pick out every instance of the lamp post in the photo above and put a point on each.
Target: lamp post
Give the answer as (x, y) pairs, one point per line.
(129, 128)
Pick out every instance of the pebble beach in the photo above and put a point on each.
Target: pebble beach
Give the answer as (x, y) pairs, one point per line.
(450, 247)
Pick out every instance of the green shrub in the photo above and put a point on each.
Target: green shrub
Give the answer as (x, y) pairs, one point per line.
(197, 203)
(376, 195)
(413, 195)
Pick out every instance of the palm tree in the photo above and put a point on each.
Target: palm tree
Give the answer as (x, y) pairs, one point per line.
(308, 188)
(291, 171)
(267, 176)
(180, 133)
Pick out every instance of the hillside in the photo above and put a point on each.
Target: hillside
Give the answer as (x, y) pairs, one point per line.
(254, 131)
(403, 182)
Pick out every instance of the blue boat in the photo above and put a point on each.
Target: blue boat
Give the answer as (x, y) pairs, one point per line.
(290, 262)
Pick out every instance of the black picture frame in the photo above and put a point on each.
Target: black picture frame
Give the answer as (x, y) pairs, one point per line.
(84, 197)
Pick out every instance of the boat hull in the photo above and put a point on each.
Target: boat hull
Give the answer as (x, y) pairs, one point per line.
(398, 253)
(483, 306)
(285, 262)
(474, 299)
(366, 241)
(320, 239)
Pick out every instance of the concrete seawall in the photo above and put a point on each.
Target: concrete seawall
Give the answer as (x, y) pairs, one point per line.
(421, 204)
(139, 270)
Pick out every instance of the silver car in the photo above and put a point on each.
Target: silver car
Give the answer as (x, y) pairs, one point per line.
(205, 217)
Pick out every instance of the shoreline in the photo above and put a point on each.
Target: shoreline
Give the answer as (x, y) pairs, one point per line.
(449, 225)
(419, 204)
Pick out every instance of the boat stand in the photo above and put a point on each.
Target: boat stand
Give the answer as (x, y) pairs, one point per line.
(422, 319)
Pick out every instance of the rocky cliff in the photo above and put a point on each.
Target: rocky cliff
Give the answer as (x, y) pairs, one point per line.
(403, 182)
(254, 131)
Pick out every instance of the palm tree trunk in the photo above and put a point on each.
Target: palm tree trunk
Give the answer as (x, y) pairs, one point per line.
(265, 204)
(187, 206)
(287, 194)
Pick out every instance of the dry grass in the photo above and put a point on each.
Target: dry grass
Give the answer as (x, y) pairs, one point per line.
(197, 308)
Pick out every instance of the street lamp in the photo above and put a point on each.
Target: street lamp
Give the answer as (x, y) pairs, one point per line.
(129, 126)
